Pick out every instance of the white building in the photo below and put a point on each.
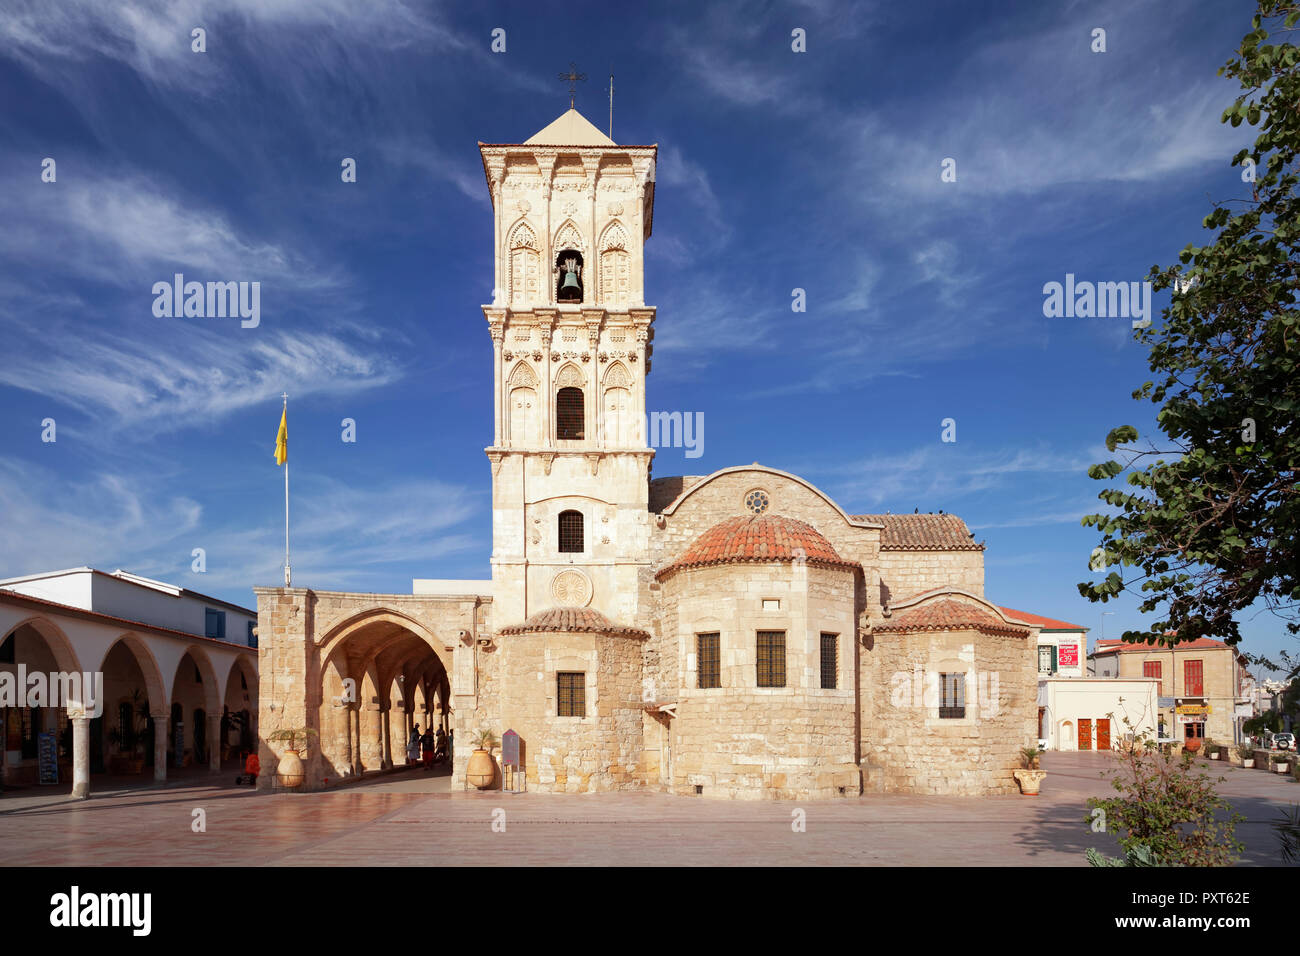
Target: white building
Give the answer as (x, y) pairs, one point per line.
(147, 674)
(1062, 646)
(1095, 713)
(135, 598)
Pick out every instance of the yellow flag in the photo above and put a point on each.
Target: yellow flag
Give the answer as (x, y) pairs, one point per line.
(282, 439)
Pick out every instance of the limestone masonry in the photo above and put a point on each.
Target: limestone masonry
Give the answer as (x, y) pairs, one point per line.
(731, 635)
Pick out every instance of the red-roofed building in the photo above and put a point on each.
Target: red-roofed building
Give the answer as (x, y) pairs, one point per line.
(1062, 646)
(1203, 691)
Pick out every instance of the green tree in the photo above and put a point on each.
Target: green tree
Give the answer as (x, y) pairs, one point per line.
(1210, 525)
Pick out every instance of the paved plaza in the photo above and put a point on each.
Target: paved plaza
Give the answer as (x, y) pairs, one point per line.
(412, 818)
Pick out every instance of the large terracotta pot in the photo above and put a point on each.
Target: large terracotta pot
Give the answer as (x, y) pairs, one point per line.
(1192, 745)
(480, 771)
(1029, 780)
(291, 770)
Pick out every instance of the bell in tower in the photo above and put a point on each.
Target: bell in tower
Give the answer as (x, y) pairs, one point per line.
(568, 271)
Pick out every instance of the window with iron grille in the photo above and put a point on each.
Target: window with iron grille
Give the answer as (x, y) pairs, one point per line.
(952, 699)
(571, 694)
(709, 659)
(1153, 669)
(771, 658)
(569, 413)
(571, 531)
(1193, 678)
(830, 658)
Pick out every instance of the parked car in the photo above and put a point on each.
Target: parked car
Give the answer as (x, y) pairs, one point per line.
(1284, 741)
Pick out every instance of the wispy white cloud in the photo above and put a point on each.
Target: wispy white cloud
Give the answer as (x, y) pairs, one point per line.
(344, 536)
(941, 472)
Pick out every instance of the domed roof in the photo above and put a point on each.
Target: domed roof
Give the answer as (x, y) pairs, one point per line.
(572, 619)
(949, 615)
(758, 539)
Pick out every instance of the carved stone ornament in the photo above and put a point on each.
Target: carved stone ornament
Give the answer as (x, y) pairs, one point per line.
(570, 588)
(523, 206)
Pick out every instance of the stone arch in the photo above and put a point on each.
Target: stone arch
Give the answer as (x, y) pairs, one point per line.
(64, 654)
(523, 412)
(570, 376)
(524, 265)
(763, 470)
(617, 376)
(617, 412)
(337, 636)
(569, 236)
(613, 237)
(241, 667)
(154, 687)
(614, 265)
(523, 376)
(211, 689)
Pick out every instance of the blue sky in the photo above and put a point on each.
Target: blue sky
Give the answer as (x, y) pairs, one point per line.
(816, 170)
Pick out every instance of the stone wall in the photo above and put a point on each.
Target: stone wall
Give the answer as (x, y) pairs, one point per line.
(599, 751)
(908, 748)
(745, 741)
(906, 573)
(300, 629)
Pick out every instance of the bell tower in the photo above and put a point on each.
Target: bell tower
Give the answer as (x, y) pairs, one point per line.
(571, 343)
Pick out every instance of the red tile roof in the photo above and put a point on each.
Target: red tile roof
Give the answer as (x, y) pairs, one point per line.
(572, 619)
(949, 615)
(1046, 623)
(758, 539)
(1200, 644)
(922, 532)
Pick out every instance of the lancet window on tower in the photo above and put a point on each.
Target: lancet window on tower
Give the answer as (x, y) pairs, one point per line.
(569, 414)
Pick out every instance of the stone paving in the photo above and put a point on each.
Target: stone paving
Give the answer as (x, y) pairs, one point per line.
(414, 818)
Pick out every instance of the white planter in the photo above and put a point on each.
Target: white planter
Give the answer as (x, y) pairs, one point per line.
(1248, 763)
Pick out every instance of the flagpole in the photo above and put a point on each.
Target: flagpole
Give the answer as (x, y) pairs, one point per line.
(288, 574)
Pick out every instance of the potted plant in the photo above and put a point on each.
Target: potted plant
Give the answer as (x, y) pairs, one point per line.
(1213, 750)
(481, 769)
(1281, 763)
(1029, 776)
(1247, 755)
(291, 771)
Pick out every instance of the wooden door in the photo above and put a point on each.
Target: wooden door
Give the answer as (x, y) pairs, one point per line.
(1085, 733)
(1103, 733)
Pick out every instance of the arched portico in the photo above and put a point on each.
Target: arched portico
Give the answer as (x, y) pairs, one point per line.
(358, 671)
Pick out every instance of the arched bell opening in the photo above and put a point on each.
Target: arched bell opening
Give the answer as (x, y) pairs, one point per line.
(568, 276)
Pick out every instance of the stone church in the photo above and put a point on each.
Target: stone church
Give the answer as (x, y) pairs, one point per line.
(734, 635)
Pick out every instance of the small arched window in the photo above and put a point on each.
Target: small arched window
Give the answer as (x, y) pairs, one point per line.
(571, 540)
(569, 413)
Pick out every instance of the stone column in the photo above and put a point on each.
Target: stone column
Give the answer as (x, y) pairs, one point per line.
(81, 757)
(348, 750)
(386, 739)
(214, 743)
(161, 724)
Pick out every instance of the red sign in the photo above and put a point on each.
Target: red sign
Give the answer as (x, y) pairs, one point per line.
(1068, 655)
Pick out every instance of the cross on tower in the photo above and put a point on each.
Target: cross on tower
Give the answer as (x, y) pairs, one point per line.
(573, 77)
